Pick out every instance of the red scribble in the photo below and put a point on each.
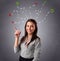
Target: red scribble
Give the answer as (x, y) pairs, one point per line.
(35, 3)
(12, 22)
(9, 14)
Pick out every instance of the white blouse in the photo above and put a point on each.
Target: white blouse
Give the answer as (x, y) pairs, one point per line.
(33, 49)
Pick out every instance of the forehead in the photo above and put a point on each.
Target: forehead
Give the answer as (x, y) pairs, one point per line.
(30, 23)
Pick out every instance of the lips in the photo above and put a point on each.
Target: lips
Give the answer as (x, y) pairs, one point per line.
(29, 30)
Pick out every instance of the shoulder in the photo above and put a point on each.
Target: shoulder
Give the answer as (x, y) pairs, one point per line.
(22, 39)
(37, 40)
(37, 43)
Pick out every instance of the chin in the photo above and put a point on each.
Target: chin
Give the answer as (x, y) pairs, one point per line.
(29, 32)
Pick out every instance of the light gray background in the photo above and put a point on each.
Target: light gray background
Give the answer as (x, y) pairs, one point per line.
(48, 30)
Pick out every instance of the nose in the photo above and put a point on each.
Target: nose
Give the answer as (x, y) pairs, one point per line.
(29, 27)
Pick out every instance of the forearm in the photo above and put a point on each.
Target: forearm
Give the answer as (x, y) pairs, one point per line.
(16, 45)
(16, 42)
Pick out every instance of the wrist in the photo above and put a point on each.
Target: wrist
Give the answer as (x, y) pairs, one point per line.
(16, 38)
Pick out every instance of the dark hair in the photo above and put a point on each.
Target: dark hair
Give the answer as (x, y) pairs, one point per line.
(35, 23)
(34, 33)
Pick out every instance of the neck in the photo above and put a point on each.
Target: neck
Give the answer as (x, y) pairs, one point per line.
(29, 35)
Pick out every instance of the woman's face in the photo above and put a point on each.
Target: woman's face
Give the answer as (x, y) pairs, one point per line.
(30, 27)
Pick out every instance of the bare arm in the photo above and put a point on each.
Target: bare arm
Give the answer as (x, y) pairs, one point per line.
(16, 43)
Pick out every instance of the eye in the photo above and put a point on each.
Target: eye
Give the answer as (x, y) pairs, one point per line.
(27, 25)
(31, 25)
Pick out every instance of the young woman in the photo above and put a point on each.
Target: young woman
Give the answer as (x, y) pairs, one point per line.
(29, 45)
